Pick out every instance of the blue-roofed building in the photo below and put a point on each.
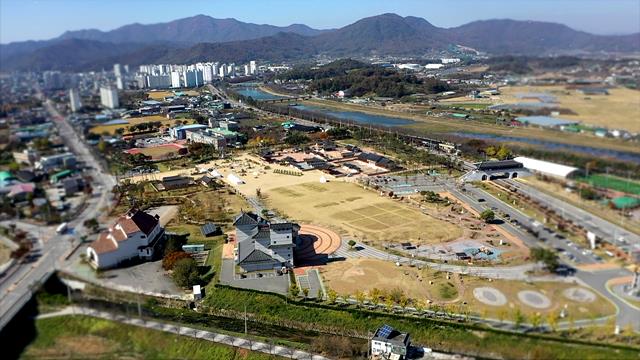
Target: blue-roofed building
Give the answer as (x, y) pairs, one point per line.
(546, 121)
(116, 122)
(180, 132)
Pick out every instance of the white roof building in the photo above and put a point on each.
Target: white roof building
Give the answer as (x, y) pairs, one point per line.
(546, 167)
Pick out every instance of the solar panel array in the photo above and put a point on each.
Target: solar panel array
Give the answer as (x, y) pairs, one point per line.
(209, 228)
(385, 331)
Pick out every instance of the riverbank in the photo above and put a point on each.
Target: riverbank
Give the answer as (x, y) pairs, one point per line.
(430, 125)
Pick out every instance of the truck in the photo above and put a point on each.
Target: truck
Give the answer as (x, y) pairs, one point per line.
(62, 228)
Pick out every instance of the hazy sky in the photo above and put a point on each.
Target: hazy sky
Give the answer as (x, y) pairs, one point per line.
(44, 19)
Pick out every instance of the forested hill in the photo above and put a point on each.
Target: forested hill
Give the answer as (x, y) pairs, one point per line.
(360, 79)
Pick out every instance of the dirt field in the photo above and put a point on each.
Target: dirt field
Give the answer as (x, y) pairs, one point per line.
(618, 110)
(160, 151)
(353, 275)
(159, 95)
(348, 208)
(257, 174)
(111, 129)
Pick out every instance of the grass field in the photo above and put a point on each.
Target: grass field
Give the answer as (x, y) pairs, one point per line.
(111, 129)
(79, 337)
(613, 183)
(348, 208)
(352, 275)
(618, 110)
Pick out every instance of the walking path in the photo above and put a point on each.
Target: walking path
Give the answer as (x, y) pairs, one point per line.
(188, 331)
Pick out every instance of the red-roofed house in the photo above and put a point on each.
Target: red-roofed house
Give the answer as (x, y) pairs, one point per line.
(135, 235)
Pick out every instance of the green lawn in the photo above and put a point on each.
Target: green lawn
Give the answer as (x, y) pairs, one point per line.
(613, 183)
(80, 337)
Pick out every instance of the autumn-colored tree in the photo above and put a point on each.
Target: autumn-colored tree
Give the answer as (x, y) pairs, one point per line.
(169, 261)
(332, 295)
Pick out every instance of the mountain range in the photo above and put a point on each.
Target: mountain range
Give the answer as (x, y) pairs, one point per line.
(203, 38)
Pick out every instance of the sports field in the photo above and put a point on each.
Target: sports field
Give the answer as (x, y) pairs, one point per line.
(364, 275)
(348, 208)
(613, 183)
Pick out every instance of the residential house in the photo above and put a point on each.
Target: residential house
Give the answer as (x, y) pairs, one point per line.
(207, 181)
(135, 235)
(263, 245)
(388, 343)
(174, 182)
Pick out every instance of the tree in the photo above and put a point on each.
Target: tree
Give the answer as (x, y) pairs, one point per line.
(296, 138)
(332, 296)
(102, 146)
(360, 297)
(552, 320)
(185, 272)
(487, 215)
(536, 320)
(518, 318)
(503, 153)
(91, 224)
(171, 259)
(546, 256)
(293, 290)
(351, 243)
(305, 292)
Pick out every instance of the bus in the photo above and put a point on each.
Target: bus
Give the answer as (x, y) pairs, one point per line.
(62, 228)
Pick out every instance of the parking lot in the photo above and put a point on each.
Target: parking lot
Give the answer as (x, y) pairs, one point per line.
(409, 184)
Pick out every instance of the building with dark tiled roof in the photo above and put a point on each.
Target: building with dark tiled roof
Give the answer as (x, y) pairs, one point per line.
(135, 235)
(263, 245)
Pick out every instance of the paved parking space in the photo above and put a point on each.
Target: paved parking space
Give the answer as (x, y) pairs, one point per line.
(274, 283)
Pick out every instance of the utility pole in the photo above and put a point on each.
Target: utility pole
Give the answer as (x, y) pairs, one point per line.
(245, 319)
(368, 345)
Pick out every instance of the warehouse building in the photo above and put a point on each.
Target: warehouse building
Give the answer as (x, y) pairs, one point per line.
(547, 168)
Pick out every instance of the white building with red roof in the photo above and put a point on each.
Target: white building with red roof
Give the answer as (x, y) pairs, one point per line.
(134, 235)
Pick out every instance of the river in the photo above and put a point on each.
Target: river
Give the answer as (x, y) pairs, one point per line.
(550, 145)
(365, 118)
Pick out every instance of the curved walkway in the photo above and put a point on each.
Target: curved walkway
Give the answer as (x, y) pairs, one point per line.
(316, 244)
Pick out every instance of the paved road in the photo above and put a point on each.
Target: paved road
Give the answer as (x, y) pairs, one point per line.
(19, 282)
(546, 237)
(603, 228)
(234, 341)
(595, 279)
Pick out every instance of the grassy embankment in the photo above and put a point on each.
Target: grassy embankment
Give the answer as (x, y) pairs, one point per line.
(81, 337)
(443, 336)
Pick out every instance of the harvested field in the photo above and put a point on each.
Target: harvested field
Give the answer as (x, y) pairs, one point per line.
(348, 208)
(618, 110)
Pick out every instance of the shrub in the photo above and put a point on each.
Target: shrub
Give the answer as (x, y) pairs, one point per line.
(185, 272)
(170, 260)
